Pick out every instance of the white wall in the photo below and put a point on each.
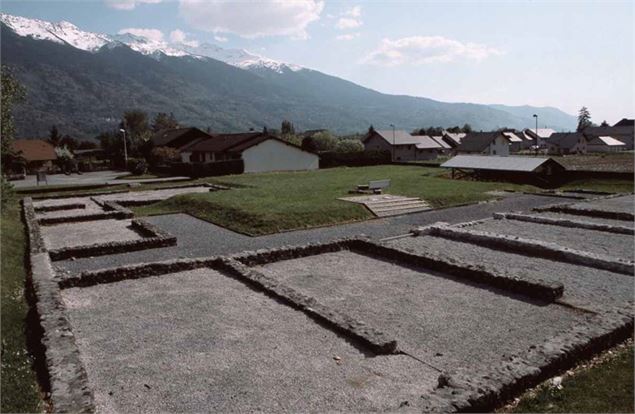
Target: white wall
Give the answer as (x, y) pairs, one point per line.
(273, 155)
(500, 146)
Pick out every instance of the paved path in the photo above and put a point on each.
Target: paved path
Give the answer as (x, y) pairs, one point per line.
(196, 238)
(88, 178)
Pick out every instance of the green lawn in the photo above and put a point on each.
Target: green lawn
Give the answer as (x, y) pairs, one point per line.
(271, 202)
(19, 389)
(605, 388)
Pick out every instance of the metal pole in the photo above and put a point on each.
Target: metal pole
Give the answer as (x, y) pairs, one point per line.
(392, 155)
(537, 140)
(125, 149)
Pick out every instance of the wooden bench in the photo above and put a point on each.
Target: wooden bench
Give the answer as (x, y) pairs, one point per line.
(374, 187)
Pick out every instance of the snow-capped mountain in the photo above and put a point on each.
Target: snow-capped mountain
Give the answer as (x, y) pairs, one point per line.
(61, 32)
(65, 32)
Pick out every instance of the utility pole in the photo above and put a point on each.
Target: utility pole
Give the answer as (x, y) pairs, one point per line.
(392, 154)
(125, 148)
(537, 140)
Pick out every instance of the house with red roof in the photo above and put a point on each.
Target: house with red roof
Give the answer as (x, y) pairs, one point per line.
(38, 154)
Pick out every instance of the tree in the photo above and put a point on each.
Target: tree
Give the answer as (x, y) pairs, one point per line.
(54, 136)
(287, 128)
(467, 128)
(164, 121)
(135, 123)
(12, 93)
(584, 119)
(320, 142)
(604, 123)
(164, 155)
(349, 145)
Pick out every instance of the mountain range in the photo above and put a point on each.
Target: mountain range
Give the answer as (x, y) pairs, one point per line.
(82, 82)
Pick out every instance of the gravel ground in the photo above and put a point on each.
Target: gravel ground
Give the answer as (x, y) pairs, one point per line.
(90, 208)
(199, 341)
(89, 232)
(153, 195)
(624, 204)
(589, 288)
(599, 220)
(197, 238)
(610, 244)
(444, 322)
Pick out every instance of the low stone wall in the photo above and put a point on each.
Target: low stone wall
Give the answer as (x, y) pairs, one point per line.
(72, 206)
(369, 337)
(537, 289)
(538, 248)
(565, 223)
(462, 391)
(69, 387)
(568, 208)
(153, 238)
(112, 210)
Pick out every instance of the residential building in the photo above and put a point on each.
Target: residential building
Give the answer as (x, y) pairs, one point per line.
(38, 154)
(402, 145)
(563, 143)
(260, 152)
(178, 137)
(622, 131)
(515, 142)
(453, 139)
(539, 136)
(490, 143)
(605, 144)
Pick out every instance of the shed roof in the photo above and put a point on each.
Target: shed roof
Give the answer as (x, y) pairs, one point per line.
(35, 149)
(496, 163)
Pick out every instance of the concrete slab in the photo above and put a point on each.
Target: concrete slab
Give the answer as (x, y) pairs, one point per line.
(593, 289)
(444, 322)
(609, 244)
(86, 233)
(199, 341)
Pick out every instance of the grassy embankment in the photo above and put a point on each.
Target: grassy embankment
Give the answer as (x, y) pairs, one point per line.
(19, 389)
(605, 388)
(272, 202)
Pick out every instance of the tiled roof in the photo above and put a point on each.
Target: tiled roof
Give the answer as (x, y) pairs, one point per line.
(35, 149)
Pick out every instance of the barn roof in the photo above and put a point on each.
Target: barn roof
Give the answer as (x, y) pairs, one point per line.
(496, 163)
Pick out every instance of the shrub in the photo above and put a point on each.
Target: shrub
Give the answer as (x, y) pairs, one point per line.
(349, 145)
(320, 142)
(353, 159)
(164, 155)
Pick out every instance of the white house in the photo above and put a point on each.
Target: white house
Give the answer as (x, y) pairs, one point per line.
(260, 152)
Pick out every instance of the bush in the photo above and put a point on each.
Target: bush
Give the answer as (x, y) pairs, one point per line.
(164, 155)
(320, 142)
(137, 166)
(353, 159)
(211, 169)
(349, 145)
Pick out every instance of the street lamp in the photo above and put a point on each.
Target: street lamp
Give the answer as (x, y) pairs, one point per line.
(125, 148)
(392, 154)
(536, 116)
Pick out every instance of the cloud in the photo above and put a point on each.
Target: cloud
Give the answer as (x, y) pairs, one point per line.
(350, 19)
(344, 23)
(221, 39)
(151, 34)
(419, 50)
(127, 4)
(348, 36)
(179, 36)
(251, 19)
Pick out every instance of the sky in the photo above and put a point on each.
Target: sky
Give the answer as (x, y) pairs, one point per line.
(564, 54)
